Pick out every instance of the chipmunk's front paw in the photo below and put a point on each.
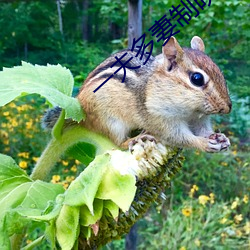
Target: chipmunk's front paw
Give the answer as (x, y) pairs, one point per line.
(141, 139)
(218, 142)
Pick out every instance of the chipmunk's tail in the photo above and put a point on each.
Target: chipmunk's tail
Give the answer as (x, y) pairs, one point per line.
(50, 117)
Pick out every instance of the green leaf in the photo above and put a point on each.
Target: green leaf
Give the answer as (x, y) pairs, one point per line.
(26, 202)
(51, 215)
(50, 234)
(58, 127)
(83, 152)
(86, 218)
(118, 188)
(53, 82)
(86, 231)
(14, 198)
(4, 240)
(112, 208)
(9, 168)
(20, 197)
(83, 189)
(67, 226)
(39, 194)
(14, 223)
(6, 186)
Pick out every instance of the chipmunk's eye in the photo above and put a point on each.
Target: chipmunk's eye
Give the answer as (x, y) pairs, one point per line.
(197, 79)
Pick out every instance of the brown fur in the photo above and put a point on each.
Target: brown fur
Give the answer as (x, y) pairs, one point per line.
(158, 97)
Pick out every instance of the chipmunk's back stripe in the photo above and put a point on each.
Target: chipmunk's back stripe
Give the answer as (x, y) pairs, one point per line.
(116, 77)
(115, 67)
(102, 68)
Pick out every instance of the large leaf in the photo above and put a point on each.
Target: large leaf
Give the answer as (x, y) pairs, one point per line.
(21, 197)
(83, 189)
(9, 168)
(118, 188)
(86, 218)
(67, 226)
(112, 208)
(53, 82)
(6, 186)
(83, 152)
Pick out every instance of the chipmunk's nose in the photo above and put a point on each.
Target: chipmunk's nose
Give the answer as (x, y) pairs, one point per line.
(227, 108)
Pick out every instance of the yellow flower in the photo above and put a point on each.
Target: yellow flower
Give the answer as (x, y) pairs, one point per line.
(197, 242)
(70, 178)
(234, 152)
(65, 185)
(12, 105)
(77, 162)
(23, 107)
(6, 113)
(238, 218)
(4, 134)
(224, 164)
(182, 248)
(14, 123)
(73, 168)
(203, 199)
(223, 220)
(238, 233)
(24, 154)
(247, 227)
(211, 195)
(245, 199)
(28, 241)
(23, 164)
(235, 203)
(65, 163)
(35, 159)
(193, 190)
(187, 211)
(29, 124)
(6, 141)
(55, 178)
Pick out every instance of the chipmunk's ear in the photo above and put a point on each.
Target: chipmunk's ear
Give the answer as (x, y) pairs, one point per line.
(197, 43)
(172, 50)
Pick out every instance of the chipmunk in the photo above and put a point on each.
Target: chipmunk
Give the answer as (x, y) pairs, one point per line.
(171, 97)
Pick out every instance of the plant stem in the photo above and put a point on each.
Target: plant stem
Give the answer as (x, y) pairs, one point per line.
(16, 240)
(57, 147)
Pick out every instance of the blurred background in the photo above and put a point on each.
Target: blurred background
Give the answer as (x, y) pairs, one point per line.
(207, 206)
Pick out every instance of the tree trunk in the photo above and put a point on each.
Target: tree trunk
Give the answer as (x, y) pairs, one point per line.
(134, 20)
(85, 31)
(131, 238)
(59, 16)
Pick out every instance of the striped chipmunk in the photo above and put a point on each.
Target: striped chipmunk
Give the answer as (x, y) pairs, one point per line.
(170, 98)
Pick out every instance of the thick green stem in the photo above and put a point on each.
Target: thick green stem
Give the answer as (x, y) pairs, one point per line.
(57, 147)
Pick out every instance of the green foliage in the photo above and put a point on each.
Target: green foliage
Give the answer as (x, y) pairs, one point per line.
(200, 223)
(83, 152)
(19, 198)
(52, 82)
(30, 32)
